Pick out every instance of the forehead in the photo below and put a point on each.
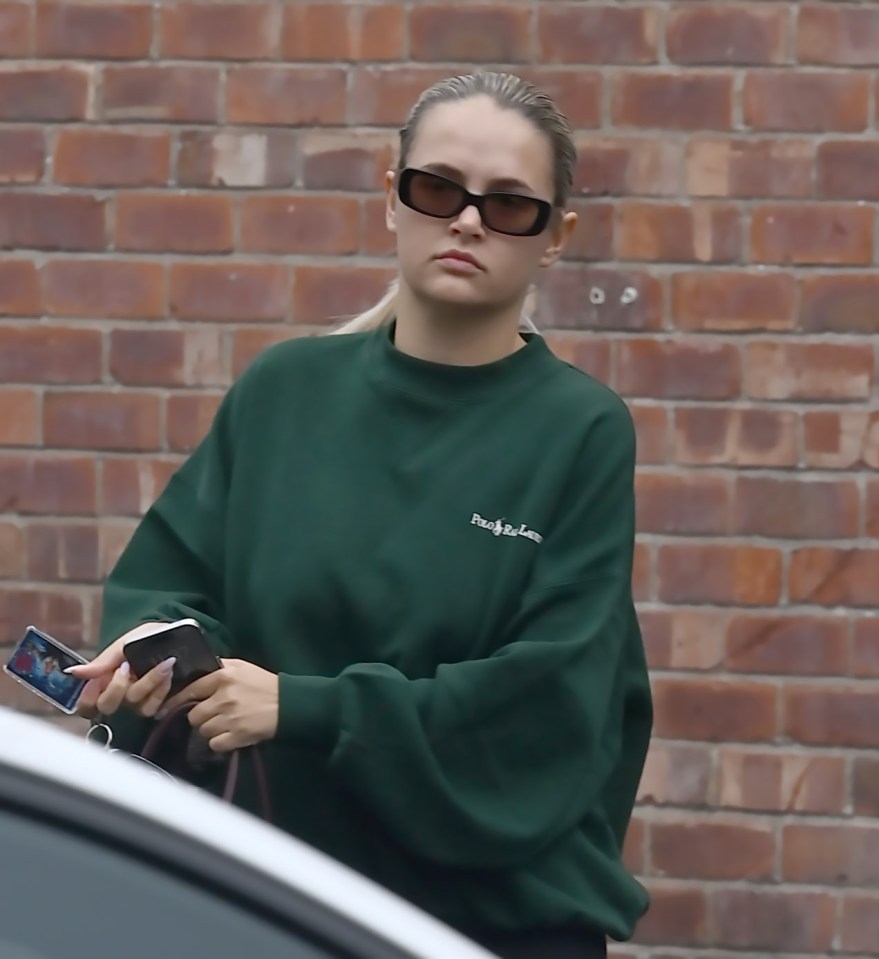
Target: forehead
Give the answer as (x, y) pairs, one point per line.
(484, 142)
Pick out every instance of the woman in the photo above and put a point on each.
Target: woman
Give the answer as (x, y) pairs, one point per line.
(412, 546)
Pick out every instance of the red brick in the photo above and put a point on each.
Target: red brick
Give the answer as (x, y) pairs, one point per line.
(166, 357)
(834, 577)
(578, 93)
(48, 484)
(865, 786)
(652, 429)
(15, 29)
(678, 915)
(673, 101)
(227, 31)
(712, 850)
(106, 158)
(646, 166)
(586, 353)
(593, 237)
(714, 710)
(835, 716)
(847, 855)
(809, 371)
(47, 93)
(719, 574)
(247, 344)
(753, 437)
(642, 573)
(161, 93)
(727, 34)
(770, 921)
(580, 34)
(11, 551)
(841, 440)
(806, 101)
(678, 369)
(672, 504)
(686, 639)
(375, 238)
(781, 645)
(860, 922)
(102, 421)
(774, 781)
(286, 96)
(871, 508)
(50, 222)
(634, 845)
(94, 30)
(118, 289)
(113, 537)
(230, 292)
(347, 159)
(576, 297)
(848, 170)
(475, 33)
(19, 416)
(733, 302)
(45, 354)
(232, 158)
(796, 509)
(329, 294)
(676, 775)
(383, 96)
(749, 168)
(189, 418)
(62, 553)
(844, 36)
(338, 31)
(300, 224)
(813, 234)
(19, 288)
(22, 155)
(700, 232)
(131, 485)
(60, 612)
(162, 222)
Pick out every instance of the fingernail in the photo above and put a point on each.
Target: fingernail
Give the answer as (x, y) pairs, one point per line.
(70, 669)
(161, 714)
(124, 669)
(167, 665)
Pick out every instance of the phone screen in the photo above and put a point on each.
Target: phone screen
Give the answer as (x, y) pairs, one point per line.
(39, 661)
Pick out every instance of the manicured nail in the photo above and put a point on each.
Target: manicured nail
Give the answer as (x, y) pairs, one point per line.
(167, 665)
(124, 669)
(70, 669)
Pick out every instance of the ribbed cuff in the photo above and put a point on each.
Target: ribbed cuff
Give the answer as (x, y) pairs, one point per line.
(308, 709)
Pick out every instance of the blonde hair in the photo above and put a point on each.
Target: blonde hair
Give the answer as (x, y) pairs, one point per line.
(509, 92)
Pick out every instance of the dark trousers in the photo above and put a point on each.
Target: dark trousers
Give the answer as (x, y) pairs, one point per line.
(571, 943)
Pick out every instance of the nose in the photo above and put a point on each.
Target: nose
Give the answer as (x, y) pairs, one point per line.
(468, 221)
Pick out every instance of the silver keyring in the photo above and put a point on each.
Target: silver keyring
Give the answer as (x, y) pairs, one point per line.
(106, 731)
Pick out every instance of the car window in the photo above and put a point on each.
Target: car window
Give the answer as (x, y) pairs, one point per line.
(68, 895)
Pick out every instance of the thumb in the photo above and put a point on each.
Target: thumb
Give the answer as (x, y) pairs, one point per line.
(107, 661)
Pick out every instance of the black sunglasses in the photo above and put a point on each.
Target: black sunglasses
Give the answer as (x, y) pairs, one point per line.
(438, 196)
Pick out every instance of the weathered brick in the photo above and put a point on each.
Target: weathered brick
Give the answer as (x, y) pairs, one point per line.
(813, 234)
(225, 31)
(838, 36)
(675, 369)
(711, 710)
(776, 781)
(848, 855)
(383, 96)
(707, 233)
(860, 922)
(189, 418)
(865, 786)
(728, 33)
(347, 159)
(796, 645)
(161, 93)
(19, 416)
(841, 439)
(47, 484)
(248, 343)
(673, 101)
(646, 166)
(41, 221)
(825, 576)
(329, 294)
(92, 30)
(719, 574)
(117, 289)
(770, 921)
(101, 420)
(809, 371)
(712, 850)
(229, 292)
(812, 509)
(832, 715)
(22, 156)
(587, 353)
(106, 158)
(48, 354)
(286, 96)
(749, 168)
(131, 485)
(62, 553)
(603, 34)
(807, 101)
(577, 93)
(732, 302)
(300, 224)
(740, 437)
(682, 505)
(848, 170)
(47, 93)
(676, 774)
(11, 549)
(162, 222)
(166, 357)
(576, 297)
(232, 158)
(15, 29)
(340, 31)
(19, 288)
(678, 915)
(475, 33)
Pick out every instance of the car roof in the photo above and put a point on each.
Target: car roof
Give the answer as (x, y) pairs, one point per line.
(39, 749)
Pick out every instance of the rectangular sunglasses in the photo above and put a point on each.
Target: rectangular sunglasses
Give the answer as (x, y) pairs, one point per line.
(438, 196)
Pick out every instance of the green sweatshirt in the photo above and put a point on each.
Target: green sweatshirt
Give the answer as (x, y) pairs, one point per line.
(437, 561)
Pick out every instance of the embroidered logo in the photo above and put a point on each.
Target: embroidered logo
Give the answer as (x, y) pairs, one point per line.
(499, 527)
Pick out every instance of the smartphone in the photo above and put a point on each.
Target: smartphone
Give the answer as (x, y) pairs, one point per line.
(152, 643)
(38, 662)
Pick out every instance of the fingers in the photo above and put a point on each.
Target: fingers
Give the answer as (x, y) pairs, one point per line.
(198, 691)
(104, 663)
(147, 694)
(113, 696)
(87, 705)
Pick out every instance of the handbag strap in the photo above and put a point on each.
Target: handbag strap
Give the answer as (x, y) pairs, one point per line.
(233, 763)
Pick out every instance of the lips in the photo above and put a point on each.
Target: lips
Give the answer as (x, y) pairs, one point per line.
(461, 256)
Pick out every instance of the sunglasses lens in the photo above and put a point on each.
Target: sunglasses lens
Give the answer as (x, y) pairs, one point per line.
(509, 213)
(434, 195)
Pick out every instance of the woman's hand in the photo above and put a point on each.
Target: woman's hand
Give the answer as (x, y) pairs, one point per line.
(237, 705)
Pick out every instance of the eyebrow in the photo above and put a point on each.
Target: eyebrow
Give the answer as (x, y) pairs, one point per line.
(499, 183)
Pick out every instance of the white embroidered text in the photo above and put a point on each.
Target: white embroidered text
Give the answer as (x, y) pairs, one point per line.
(501, 528)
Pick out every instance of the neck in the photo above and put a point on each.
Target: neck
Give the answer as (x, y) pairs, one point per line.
(455, 336)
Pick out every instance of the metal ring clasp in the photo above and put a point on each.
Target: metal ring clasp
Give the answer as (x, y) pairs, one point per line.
(106, 733)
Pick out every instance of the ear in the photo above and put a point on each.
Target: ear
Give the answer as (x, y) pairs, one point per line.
(390, 201)
(561, 233)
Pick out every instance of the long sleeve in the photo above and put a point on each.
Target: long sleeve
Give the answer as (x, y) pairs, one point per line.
(500, 757)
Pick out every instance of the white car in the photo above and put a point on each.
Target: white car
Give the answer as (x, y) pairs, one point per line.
(102, 859)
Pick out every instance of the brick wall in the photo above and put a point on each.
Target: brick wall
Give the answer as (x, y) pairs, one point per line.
(186, 183)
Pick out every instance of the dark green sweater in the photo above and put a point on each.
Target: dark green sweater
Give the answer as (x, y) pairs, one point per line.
(437, 561)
